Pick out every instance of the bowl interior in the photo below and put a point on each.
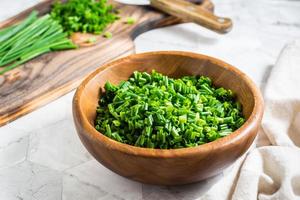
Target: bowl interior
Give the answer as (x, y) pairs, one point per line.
(171, 64)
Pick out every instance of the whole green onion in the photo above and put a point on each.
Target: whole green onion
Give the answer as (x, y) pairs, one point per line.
(32, 37)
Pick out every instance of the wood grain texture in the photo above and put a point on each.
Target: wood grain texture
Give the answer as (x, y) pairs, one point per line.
(175, 166)
(51, 75)
(190, 12)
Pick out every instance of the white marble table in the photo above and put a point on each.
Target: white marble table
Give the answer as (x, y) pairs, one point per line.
(41, 156)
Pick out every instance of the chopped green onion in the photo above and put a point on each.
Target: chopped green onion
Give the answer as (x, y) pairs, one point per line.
(107, 35)
(155, 111)
(86, 16)
(130, 20)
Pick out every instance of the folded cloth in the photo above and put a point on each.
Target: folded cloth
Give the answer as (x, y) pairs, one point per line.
(282, 99)
(272, 171)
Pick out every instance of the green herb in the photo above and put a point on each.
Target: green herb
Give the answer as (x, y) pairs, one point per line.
(92, 40)
(87, 16)
(156, 111)
(130, 20)
(31, 38)
(10, 31)
(107, 34)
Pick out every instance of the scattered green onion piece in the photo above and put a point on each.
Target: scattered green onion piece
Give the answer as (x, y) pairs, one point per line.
(107, 35)
(130, 20)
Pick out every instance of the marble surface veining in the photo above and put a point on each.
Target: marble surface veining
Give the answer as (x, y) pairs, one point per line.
(41, 156)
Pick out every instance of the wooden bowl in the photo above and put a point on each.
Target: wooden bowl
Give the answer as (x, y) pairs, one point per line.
(175, 166)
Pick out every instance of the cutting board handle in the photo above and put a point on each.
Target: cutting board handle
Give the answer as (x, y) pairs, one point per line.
(193, 13)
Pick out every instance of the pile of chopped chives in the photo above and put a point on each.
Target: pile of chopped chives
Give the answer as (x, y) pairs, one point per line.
(86, 16)
(155, 111)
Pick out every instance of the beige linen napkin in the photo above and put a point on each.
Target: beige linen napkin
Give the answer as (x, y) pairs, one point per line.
(271, 172)
(282, 98)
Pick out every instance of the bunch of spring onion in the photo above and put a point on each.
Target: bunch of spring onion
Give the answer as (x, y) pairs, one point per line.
(155, 111)
(30, 38)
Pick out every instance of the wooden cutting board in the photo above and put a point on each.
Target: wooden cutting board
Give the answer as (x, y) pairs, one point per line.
(54, 74)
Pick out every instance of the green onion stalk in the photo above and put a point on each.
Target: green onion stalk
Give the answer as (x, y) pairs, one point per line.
(32, 37)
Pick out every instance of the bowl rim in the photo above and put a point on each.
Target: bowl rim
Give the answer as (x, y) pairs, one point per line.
(253, 120)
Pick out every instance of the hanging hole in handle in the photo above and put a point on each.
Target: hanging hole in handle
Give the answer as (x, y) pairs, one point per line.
(197, 2)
